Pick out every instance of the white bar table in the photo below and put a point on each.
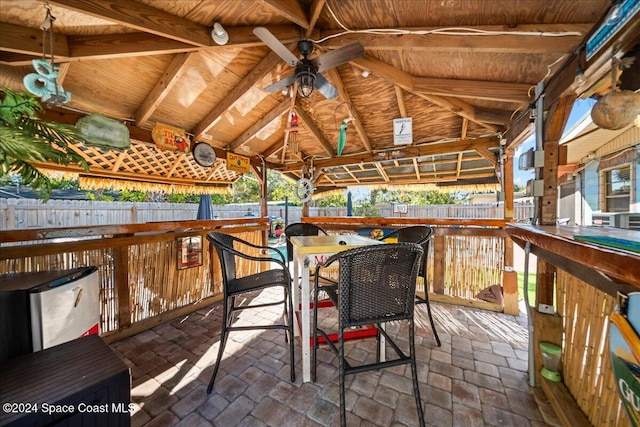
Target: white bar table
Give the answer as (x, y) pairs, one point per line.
(309, 251)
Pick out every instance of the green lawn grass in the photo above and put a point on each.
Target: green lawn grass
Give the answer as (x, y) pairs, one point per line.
(532, 287)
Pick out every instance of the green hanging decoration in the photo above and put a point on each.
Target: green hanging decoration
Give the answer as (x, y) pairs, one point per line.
(342, 138)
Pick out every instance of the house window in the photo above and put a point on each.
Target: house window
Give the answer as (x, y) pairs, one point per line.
(618, 189)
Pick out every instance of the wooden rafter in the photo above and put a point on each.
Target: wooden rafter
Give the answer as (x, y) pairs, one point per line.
(401, 104)
(279, 110)
(312, 127)
(433, 149)
(475, 89)
(142, 18)
(381, 171)
(508, 43)
(406, 82)
(25, 40)
(289, 9)
(24, 43)
(248, 82)
(162, 88)
(316, 9)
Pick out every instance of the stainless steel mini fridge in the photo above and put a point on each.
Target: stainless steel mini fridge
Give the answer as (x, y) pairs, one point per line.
(41, 309)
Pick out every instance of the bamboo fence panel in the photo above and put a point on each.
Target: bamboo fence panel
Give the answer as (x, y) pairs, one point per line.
(586, 362)
(472, 263)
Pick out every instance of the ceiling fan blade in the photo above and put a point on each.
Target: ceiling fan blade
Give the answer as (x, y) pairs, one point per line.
(337, 57)
(275, 45)
(324, 87)
(280, 84)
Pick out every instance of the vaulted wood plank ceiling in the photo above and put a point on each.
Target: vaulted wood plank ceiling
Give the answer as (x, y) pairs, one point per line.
(463, 70)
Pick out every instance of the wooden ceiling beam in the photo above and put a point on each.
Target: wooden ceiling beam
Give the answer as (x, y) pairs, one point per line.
(382, 172)
(260, 124)
(315, 10)
(433, 149)
(162, 88)
(288, 9)
(416, 168)
(475, 89)
(21, 41)
(27, 41)
(499, 91)
(458, 107)
(142, 18)
(401, 104)
(312, 127)
(507, 43)
(346, 98)
(406, 81)
(248, 82)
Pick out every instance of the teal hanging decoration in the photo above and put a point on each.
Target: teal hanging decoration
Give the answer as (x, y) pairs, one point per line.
(342, 139)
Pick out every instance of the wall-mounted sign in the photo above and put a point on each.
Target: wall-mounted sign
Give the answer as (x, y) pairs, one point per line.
(170, 138)
(237, 163)
(189, 252)
(403, 131)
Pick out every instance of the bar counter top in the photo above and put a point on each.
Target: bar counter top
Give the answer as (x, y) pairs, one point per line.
(559, 241)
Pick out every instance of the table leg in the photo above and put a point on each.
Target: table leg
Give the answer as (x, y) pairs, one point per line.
(306, 321)
(295, 292)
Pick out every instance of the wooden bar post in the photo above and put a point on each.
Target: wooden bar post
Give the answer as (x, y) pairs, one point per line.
(439, 259)
(121, 278)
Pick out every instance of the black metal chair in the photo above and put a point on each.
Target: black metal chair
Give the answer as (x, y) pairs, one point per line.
(420, 234)
(300, 229)
(231, 249)
(376, 285)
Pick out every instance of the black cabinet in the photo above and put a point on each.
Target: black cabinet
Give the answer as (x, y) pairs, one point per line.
(78, 383)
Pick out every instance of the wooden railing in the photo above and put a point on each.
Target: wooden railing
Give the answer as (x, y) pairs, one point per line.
(140, 283)
(465, 256)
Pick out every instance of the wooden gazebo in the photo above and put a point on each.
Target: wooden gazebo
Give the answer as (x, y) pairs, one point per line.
(469, 80)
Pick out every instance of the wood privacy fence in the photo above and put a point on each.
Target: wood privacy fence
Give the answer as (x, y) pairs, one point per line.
(31, 213)
(141, 284)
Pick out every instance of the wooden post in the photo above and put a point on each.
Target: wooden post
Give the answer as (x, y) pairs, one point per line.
(553, 128)
(439, 259)
(121, 278)
(509, 276)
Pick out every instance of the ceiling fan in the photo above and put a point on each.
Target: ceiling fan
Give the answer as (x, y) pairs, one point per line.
(307, 73)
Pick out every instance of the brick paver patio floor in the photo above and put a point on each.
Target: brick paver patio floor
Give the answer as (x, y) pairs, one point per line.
(477, 378)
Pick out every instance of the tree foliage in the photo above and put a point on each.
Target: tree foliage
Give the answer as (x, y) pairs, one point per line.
(25, 139)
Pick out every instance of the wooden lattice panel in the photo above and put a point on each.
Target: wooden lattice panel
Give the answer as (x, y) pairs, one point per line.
(146, 163)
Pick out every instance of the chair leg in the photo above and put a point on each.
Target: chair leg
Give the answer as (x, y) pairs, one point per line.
(433, 325)
(414, 374)
(342, 369)
(226, 322)
(289, 331)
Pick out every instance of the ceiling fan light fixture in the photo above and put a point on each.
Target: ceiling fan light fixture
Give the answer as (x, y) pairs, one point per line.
(219, 35)
(306, 77)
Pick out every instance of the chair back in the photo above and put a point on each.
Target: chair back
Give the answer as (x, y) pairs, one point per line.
(377, 283)
(223, 244)
(300, 229)
(420, 234)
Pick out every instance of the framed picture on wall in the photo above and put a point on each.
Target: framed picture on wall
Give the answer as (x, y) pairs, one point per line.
(189, 252)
